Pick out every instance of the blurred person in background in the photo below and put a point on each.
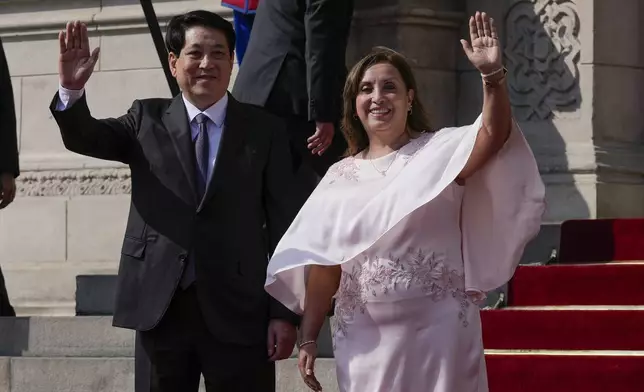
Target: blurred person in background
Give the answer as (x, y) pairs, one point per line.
(294, 67)
(243, 17)
(9, 168)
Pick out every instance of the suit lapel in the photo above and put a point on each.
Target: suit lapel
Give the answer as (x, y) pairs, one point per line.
(176, 122)
(232, 141)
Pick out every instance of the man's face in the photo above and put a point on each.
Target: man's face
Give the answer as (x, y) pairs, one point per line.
(203, 67)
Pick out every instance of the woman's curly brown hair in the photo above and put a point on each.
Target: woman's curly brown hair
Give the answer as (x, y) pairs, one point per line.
(354, 132)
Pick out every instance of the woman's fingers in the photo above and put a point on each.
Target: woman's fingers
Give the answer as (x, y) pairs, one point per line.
(310, 364)
(486, 25)
(309, 369)
(493, 32)
(473, 32)
(306, 364)
(479, 25)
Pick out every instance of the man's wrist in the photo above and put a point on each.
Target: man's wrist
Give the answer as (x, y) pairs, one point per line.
(69, 90)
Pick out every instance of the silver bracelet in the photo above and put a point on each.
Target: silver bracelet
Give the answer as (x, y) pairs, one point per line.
(502, 69)
(307, 343)
(498, 80)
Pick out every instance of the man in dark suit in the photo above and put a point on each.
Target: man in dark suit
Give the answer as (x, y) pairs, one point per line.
(210, 200)
(9, 168)
(295, 67)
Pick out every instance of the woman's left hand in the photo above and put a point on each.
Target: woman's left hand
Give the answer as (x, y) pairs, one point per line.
(484, 50)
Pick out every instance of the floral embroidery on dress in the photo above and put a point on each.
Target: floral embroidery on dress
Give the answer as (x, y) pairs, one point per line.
(346, 169)
(415, 145)
(379, 276)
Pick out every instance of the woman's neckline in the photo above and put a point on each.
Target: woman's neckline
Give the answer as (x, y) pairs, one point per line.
(359, 156)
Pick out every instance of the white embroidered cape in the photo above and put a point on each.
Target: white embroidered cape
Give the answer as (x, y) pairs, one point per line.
(501, 210)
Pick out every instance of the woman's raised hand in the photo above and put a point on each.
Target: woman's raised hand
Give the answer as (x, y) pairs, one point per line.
(484, 50)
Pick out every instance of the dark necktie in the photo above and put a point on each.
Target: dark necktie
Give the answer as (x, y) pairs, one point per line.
(202, 153)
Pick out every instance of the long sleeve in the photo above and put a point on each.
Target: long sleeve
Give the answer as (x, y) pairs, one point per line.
(67, 98)
(8, 137)
(327, 24)
(110, 139)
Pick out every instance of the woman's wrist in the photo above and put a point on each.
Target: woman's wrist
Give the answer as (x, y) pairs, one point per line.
(494, 78)
(307, 342)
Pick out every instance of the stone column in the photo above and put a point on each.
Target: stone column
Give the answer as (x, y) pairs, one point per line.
(427, 32)
(618, 105)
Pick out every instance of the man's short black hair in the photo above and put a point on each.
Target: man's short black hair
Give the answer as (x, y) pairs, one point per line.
(175, 37)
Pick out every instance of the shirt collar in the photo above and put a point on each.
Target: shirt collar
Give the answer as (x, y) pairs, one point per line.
(216, 113)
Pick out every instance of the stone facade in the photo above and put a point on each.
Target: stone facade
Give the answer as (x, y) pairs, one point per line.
(576, 80)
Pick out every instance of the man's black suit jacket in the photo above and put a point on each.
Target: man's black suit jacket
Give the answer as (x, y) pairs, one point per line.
(244, 213)
(295, 61)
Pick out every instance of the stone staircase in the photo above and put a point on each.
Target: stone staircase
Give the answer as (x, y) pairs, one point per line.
(87, 354)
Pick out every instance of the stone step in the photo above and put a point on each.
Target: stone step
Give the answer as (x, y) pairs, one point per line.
(21, 374)
(83, 336)
(64, 337)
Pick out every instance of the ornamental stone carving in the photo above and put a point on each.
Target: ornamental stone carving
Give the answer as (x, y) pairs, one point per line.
(75, 183)
(543, 52)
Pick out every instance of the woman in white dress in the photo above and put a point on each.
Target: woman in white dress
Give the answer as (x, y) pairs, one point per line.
(410, 231)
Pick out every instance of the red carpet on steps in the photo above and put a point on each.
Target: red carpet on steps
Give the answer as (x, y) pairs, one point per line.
(538, 373)
(564, 330)
(532, 349)
(587, 284)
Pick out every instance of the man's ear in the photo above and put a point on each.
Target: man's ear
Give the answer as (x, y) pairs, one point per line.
(172, 61)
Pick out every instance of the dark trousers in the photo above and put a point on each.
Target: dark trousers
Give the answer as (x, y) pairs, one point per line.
(173, 356)
(6, 310)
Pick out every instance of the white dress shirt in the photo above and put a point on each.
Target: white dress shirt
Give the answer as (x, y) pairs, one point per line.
(216, 113)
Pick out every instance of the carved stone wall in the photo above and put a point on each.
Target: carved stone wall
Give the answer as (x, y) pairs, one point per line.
(547, 49)
(542, 51)
(71, 183)
(576, 76)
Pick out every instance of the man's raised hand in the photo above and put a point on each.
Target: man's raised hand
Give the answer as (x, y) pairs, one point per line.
(75, 63)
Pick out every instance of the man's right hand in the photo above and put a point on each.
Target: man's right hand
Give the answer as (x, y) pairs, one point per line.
(75, 64)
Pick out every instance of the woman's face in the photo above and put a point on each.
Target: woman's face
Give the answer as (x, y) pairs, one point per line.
(383, 100)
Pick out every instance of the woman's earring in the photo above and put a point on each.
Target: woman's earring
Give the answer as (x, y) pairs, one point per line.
(409, 110)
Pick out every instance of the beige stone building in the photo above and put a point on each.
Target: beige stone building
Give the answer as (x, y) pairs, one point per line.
(576, 75)
(576, 78)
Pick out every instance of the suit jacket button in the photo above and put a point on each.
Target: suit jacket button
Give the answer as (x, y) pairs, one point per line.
(182, 258)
